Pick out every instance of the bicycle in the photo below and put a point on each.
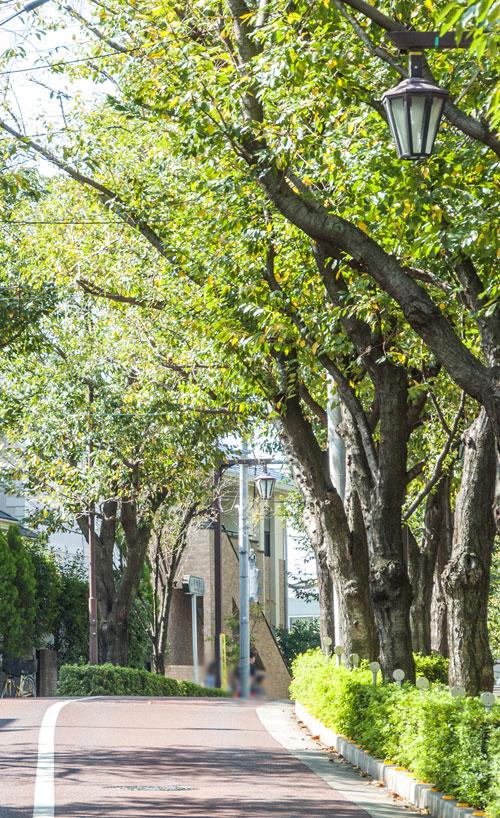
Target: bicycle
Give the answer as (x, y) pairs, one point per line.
(20, 681)
(24, 690)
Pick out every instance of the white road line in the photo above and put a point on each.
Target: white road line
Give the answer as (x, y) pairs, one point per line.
(43, 802)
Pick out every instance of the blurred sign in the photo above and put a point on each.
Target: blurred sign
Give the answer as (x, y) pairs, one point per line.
(193, 585)
(223, 661)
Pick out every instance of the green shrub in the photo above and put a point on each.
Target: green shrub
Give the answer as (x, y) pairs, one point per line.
(434, 667)
(302, 636)
(454, 744)
(113, 680)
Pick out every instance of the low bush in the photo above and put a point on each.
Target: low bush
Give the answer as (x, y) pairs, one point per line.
(454, 744)
(113, 680)
(434, 667)
(302, 636)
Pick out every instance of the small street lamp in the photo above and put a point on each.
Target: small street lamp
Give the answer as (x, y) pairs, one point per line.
(414, 107)
(265, 485)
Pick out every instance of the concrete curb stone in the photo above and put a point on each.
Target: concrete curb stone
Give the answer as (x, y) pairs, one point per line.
(398, 781)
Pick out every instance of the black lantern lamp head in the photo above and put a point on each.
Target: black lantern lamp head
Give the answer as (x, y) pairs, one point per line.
(265, 485)
(414, 109)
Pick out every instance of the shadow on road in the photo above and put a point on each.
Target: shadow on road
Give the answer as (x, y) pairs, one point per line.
(211, 783)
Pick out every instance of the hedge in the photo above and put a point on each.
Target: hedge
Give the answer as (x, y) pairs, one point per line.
(113, 680)
(454, 744)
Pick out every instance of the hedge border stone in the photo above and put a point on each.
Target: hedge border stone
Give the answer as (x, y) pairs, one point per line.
(401, 782)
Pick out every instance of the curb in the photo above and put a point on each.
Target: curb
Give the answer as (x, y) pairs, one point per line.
(403, 783)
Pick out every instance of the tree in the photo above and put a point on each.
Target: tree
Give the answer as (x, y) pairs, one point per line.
(25, 583)
(426, 263)
(71, 628)
(11, 623)
(47, 574)
(302, 636)
(113, 427)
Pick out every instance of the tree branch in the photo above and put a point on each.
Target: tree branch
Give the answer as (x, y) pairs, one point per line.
(438, 466)
(109, 198)
(100, 36)
(346, 392)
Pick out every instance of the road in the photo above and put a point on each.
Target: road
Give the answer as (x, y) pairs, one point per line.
(163, 758)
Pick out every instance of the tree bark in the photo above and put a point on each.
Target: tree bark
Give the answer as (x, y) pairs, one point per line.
(389, 582)
(137, 534)
(467, 574)
(326, 601)
(327, 527)
(105, 574)
(421, 559)
(439, 620)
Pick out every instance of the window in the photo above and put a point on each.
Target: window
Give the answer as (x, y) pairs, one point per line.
(267, 535)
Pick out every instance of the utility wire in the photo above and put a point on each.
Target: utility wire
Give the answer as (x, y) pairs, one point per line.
(61, 221)
(70, 62)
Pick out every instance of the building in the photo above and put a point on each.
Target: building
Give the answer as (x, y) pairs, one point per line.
(6, 520)
(15, 509)
(268, 552)
(300, 565)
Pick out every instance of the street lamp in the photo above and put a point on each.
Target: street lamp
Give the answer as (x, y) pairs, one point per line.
(265, 485)
(414, 107)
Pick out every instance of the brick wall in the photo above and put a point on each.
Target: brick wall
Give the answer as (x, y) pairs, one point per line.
(198, 560)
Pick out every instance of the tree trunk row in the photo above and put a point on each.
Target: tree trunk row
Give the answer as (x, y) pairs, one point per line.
(400, 595)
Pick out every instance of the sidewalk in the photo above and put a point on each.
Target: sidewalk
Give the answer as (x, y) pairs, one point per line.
(279, 720)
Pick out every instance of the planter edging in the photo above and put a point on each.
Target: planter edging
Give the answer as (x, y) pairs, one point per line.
(399, 781)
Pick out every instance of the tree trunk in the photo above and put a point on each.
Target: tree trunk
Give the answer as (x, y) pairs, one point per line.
(439, 621)
(421, 561)
(467, 574)
(105, 574)
(137, 535)
(166, 550)
(390, 586)
(327, 527)
(115, 639)
(326, 601)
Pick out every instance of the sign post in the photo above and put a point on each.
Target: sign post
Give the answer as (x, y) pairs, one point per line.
(195, 586)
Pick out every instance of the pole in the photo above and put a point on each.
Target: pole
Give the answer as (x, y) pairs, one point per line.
(243, 543)
(194, 633)
(337, 460)
(93, 644)
(218, 578)
(93, 652)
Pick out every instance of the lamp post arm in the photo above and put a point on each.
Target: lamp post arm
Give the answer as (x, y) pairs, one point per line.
(34, 4)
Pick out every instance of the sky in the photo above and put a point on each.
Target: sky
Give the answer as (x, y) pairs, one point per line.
(31, 93)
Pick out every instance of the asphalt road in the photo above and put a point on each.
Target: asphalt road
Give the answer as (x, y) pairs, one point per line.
(163, 758)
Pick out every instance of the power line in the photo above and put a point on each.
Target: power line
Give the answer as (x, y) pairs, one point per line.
(63, 221)
(70, 62)
(34, 4)
(68, 222)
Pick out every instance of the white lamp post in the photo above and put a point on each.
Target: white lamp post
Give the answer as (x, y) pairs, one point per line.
(265, 486)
